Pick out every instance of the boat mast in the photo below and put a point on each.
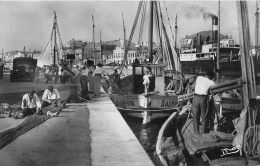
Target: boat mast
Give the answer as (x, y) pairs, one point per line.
(175, 41)
(249, 88)
(125, 54)
(55, 39)
(247, 65)
(94, 49)
(101, 48)
(150, 33)
(176, 30)
(256, 29)
(218, 50)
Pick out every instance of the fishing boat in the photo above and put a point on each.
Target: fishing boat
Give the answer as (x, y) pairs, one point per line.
(235, 137)
(131, 98)
(52, 57)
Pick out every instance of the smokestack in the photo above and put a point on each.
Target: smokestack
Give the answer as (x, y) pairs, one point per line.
(198, 39)
(214, 36)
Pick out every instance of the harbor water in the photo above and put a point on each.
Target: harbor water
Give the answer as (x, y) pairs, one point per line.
(147, 135)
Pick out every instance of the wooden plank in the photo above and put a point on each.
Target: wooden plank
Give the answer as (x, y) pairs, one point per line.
(229, 161)
(198, 143)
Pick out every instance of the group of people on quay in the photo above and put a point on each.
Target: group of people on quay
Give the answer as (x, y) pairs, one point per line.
(88, 75)
(31, 104)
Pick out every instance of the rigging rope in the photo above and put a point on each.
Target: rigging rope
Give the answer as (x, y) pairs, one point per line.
(169, 21)
(159, 28)
(59, 36)
(47, 44)
(142, 23)
(133, 28)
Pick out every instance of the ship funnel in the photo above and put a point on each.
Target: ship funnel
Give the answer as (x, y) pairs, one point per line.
(214, 35)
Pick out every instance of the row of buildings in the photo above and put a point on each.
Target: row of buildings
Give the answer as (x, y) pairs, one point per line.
(110, 52)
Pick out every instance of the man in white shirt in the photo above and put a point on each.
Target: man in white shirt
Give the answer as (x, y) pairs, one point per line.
(51, 97)
(31, 104)
(200, 101)
(98, 72)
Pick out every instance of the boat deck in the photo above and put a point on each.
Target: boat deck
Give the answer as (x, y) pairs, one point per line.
(204, 141)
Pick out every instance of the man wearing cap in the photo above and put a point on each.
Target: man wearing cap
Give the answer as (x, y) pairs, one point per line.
(98, 72)
(201, 101)
(51, 97)
(31, 104)
(116, 75)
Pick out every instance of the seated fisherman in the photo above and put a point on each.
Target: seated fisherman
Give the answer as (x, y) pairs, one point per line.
(30, 105)
(170, 86)
(175, 86)
(51, 101)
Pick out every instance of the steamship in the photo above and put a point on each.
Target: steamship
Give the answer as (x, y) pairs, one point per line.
(198, 53)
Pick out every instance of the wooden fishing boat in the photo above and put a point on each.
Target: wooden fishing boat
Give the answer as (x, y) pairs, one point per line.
(235, 137)
(131, 99)
(177, 140)
(149, 106)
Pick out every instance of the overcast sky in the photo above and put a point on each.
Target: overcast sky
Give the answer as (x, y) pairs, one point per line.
(29, 23)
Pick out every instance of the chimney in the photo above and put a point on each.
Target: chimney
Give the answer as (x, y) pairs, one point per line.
(214, 35)
(198, 39)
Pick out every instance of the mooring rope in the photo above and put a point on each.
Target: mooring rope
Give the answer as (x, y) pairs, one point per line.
(252, 137)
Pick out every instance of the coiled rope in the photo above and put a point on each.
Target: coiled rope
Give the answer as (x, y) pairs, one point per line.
(252, 136)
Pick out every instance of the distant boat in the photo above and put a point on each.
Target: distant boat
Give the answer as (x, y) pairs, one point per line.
(52, 52)
(157, 103)
(198, 53)
(51, 56)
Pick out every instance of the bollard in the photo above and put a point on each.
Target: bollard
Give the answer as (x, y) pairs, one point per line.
(73, 90)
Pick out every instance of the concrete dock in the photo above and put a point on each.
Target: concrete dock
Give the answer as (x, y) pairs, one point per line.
(85, 134)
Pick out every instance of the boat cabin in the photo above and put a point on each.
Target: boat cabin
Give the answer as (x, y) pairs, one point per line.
(156, 80)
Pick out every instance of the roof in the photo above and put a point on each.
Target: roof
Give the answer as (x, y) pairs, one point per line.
(25, 58)
(148, 65)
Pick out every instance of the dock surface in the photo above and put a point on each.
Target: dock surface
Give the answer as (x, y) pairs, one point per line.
(84, 134)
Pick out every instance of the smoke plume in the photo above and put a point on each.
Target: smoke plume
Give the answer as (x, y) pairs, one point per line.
(195, 11)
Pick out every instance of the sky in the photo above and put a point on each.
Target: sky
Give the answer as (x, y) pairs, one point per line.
(29, 23)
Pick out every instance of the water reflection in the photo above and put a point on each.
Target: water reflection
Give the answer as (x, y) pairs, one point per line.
(147, 135)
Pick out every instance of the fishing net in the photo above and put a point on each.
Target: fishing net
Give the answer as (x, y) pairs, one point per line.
(10, 135)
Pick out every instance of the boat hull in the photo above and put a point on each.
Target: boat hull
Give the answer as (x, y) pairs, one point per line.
(146, 107)
(203, 144)
(154, 114)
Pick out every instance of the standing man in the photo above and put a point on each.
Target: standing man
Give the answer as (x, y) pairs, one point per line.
(98, 72)
(47, 74)
(90, 65)
(31, 104)
(201, 101)
(84, 81)
(51, 97)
